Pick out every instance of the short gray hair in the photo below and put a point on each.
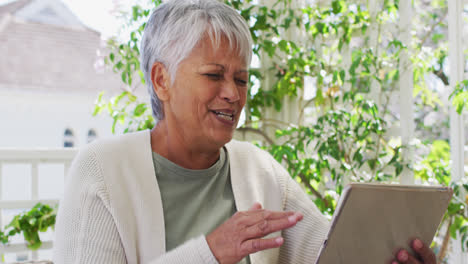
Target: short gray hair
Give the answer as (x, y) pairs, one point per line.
(174, 29)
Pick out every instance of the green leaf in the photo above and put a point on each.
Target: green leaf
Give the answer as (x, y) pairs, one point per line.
(135, 12)
(283, 45)
(437, 37)
(269, 47)
(119, 65)
(338, 6)
(124, 77)
(140, 109)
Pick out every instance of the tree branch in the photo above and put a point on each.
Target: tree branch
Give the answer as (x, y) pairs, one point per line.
(441, 76)
(312, 189)
(444, 247)
(301, 114)
(425, 37)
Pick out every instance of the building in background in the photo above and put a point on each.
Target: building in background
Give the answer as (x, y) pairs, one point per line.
(51, 71)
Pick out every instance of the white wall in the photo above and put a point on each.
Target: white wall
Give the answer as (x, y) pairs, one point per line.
(39, 119)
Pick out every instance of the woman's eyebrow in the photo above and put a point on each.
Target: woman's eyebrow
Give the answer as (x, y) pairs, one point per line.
(215, 64)
(223, 68)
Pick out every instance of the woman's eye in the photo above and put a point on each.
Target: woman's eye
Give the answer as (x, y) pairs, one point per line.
(241, 82)
(214, 76)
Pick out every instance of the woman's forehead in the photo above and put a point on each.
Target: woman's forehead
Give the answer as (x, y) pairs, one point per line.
(224, 54)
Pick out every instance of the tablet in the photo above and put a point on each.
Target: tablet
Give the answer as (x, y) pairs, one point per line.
(371, 221)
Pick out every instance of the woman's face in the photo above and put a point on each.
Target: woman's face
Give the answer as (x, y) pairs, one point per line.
(208, 95)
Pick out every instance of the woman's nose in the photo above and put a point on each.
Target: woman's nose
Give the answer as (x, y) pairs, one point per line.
(230, 91)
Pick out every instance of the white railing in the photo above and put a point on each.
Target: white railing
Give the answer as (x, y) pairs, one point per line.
(33, 158)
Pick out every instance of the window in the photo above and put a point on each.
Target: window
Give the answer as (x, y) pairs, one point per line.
(68, 138)
(92, 135)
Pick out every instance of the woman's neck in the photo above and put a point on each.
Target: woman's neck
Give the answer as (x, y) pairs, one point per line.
(174, 147)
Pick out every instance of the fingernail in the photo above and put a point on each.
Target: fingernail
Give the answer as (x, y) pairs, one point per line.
(292, 218)
(417, 244)
(299, 216)
(279, 240)
(402, 256)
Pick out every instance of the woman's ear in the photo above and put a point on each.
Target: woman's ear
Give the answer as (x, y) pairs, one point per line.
(161, 80)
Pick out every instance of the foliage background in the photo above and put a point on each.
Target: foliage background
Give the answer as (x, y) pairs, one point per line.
(324, 97)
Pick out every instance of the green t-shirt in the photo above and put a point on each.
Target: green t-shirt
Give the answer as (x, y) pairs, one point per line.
(195, 202)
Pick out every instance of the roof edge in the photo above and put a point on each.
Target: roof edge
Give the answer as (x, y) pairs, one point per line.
(13, 6)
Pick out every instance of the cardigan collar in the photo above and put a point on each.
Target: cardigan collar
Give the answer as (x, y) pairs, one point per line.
(247, 185)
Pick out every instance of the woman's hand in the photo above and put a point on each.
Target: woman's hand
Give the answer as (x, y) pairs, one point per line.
(243, 233)
(425, 254)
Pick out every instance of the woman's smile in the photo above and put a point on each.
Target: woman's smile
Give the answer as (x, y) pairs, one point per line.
(225, 116)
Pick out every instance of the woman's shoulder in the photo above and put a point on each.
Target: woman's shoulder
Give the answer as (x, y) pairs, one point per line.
(116, 144)
(115, 150)
(123, 160)
(115, 147)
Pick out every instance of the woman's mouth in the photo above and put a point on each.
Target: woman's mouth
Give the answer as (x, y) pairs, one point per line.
(224, 115)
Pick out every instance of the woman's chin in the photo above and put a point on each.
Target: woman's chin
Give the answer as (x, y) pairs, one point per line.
(221, 138)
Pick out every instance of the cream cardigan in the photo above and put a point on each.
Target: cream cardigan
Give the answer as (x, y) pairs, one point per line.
(112, 210)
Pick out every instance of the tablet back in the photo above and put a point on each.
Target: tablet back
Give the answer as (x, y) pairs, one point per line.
(372, 221)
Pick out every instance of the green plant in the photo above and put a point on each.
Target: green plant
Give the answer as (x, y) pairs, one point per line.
(39, 219)
(344, 142)
(460, 96)
(435, 167)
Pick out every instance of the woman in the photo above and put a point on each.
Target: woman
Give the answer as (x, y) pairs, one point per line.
(185, 192)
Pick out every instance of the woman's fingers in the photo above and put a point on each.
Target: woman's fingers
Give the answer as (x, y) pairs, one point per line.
(243, 233)
(406, 258)
(255, 245)
(424, 252)
(254, 217)
(425, 255)
(268, 226)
